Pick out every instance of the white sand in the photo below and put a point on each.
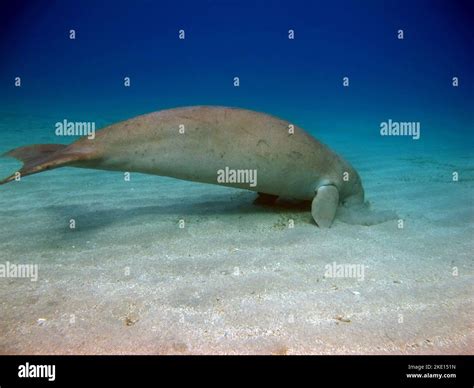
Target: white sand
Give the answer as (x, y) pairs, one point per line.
(236, 279)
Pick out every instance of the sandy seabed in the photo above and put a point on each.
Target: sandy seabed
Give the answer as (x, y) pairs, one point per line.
(236, 279)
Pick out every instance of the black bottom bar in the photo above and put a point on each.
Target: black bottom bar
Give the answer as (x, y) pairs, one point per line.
(317, 371)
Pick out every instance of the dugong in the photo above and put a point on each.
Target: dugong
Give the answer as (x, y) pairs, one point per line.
(217, 145)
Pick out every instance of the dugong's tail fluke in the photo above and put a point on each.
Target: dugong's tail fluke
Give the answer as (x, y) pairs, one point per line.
(41, 157)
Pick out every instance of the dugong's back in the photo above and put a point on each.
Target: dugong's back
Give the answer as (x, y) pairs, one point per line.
(195, 143)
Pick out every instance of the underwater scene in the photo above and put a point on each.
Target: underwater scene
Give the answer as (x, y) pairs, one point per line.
(237, 177)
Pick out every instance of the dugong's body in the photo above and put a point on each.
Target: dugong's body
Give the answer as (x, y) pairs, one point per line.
(199, 143)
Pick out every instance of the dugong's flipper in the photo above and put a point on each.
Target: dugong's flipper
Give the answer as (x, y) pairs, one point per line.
(324, 205)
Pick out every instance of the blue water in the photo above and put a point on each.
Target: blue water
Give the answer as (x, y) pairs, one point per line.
(301, 79)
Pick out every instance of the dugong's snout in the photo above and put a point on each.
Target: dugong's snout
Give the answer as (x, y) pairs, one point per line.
(355, 191)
